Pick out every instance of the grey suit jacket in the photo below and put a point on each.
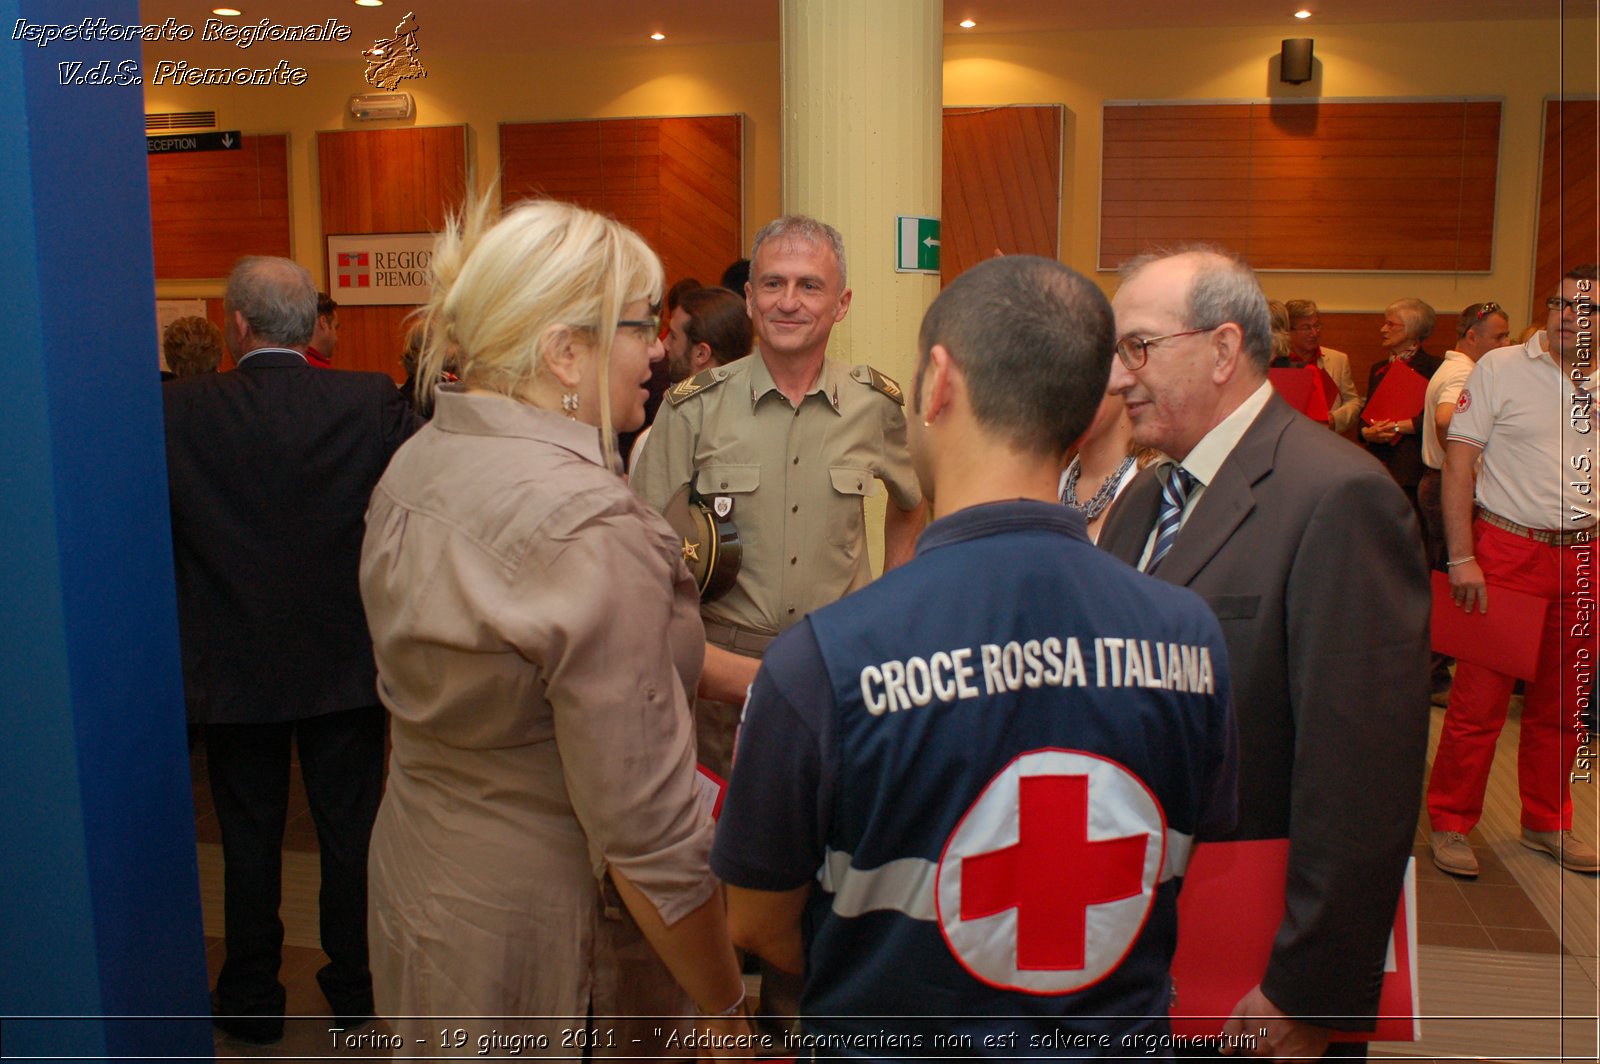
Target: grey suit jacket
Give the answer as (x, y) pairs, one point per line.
(1310, 557)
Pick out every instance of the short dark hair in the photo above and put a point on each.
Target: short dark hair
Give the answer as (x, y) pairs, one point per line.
(1476, 314)
(1587, 272)
(325, 305)
(680, 289)
(718, 318)
(1034, 341)
(736, 276)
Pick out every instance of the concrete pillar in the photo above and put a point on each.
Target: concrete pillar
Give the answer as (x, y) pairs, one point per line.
(862, 112)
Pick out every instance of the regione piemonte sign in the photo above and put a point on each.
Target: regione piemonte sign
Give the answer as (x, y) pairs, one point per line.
(379, 269)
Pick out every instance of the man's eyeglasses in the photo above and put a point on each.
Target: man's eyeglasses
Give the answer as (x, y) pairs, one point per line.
(1134, 351)
(1581, 306)
(1486, 309)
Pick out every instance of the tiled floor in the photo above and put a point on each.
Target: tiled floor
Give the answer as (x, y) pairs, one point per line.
(1508, 961)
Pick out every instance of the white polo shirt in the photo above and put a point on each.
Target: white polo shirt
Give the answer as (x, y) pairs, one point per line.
(1443, 387)
(1538, 466)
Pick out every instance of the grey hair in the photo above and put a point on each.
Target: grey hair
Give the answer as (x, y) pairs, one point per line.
(1224, 290)
(277, 298)
(1301, 308)
(1417, 315)
(804, 227)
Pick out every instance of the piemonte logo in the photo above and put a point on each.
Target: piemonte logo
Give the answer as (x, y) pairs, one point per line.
(392, 60)
(355, 269)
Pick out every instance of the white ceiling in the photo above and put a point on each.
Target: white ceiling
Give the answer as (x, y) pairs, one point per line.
(465, 26)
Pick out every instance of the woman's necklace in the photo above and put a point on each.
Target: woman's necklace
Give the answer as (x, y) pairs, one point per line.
(1102, 498)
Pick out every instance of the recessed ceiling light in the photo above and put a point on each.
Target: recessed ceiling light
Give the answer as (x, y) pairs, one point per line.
(1302, 13)
(369, 3)
(226, 12)
(658, 36)
(966, 23)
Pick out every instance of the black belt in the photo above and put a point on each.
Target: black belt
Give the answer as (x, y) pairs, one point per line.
(740, 640)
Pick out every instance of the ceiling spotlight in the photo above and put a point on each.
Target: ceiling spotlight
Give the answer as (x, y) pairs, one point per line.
(369, 3)
(658, 36)
(226, 12)
(966, 24)
(1302, 13)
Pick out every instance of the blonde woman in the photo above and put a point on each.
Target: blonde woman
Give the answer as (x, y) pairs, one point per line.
(1279, 313)
(541, 853)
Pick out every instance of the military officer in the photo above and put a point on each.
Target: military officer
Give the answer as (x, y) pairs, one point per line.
(788, 444)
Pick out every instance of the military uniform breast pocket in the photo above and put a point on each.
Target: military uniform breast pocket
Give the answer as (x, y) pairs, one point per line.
(846, 522)
(714, 480)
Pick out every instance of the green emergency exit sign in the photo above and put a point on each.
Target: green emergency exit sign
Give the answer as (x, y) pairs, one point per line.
(916, 244)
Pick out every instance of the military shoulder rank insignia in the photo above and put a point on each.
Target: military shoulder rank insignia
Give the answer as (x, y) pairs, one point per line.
(695, 385)
(879, 383)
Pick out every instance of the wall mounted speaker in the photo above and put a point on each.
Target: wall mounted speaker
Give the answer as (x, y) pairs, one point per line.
(1295, 67)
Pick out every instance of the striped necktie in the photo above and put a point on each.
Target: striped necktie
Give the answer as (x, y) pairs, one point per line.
(1176, 484)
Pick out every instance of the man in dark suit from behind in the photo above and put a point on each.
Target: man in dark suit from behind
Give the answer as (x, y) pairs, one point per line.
(270, 467)
(1309, 555)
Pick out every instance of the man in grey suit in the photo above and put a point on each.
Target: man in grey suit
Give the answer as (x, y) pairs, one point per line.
(1309, 555)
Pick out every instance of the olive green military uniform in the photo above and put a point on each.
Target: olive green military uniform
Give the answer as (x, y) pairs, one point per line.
(797, 477)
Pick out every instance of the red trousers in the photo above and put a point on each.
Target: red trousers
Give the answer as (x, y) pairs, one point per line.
(1553, 705)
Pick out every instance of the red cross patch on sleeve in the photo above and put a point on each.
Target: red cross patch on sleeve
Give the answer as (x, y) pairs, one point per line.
(1464, 401)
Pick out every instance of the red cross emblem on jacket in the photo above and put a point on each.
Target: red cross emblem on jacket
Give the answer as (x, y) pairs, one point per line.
(1049, 877)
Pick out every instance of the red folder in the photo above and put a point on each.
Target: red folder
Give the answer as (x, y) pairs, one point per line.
(1302, 389)
(712, 789)
(1398, 396)
(1330, 388)
(1228, 914)
(1506, 639)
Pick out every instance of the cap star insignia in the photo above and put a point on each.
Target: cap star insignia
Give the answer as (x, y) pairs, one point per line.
(691, 551)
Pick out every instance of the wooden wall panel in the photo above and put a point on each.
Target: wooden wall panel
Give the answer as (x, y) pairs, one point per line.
(371, 338)
(386, 181)
(1569, 191)
(391, 180)
(209, 208)
(1324, 186)
(1002, 184)
(678, 181)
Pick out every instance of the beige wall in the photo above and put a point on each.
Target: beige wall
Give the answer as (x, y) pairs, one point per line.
(1517, 61)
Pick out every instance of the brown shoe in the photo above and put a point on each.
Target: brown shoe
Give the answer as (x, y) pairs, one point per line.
(1565, 847)
(1453, 853)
